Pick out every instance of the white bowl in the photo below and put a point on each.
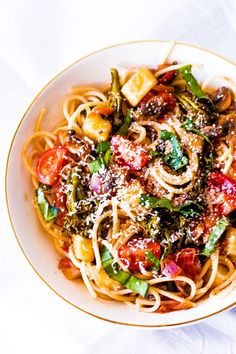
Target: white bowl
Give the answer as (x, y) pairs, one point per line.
(34, 242)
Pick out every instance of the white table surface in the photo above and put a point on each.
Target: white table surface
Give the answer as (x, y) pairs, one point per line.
(38, 39)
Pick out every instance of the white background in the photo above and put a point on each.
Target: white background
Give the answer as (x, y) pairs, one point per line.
(38, 39)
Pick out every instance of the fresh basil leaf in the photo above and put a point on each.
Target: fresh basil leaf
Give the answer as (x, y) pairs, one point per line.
(154, 153)
(176, 158)
(153, 202)
(48, 212)
(127, 121)
(107, 156)
(102, 146)
(96, 165)
(188, 209)
(215, 235)
(189, 126)
(192, 84)
(124, 278)
(102, 161)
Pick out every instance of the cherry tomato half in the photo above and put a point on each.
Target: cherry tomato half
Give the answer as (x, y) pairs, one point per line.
(50, 164)
(134, 252)
(129, 154)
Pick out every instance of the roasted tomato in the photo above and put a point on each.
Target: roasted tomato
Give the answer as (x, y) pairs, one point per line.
(222, 191)
(184, 262)
(173, 305)
(157, 104)
(129, 154)
(167, 77)
(69, 270)
(134, 252)
(232, 170)
(50, 164)
(189, 262)
(105, 111)
(201, 227)
(59, 201)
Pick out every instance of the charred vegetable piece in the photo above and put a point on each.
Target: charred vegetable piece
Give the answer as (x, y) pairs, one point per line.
(48, 212)
(151, 226)
(115, 98)
(123, 130)
(192, 83)
(189, 126)
(222, 99)
(188, 209)
(195, 110)
(75, 190)
(215, 235)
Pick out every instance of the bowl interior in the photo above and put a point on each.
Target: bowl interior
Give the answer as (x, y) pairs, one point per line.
(34, 241)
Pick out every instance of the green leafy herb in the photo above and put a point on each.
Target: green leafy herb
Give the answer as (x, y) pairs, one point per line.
(176, 158)
(188, 209)
(96, 165)
(215, 235)
(137, 285)
(156, 262)
(48, 212)
(123, 130)
(101, 162)
(154, 153)
(153, 202)
(192, 83)
(167, 244)
(102, 146)
(195, 110)
(151, 226)
(107, 156)
(189, 126)
(126, 279)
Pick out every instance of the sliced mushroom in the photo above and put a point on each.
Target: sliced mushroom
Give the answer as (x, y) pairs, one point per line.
(227, 122)
(222, 98)
(76, 144)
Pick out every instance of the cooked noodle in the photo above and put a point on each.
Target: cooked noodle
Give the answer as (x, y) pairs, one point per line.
(120, 213)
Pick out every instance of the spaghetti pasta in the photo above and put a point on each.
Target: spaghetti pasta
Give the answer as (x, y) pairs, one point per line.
(128, 200)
